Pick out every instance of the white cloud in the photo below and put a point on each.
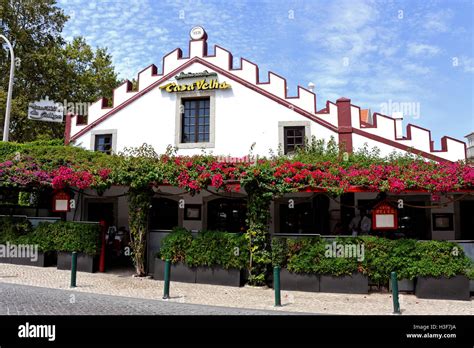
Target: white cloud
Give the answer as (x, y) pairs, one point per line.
(467, 64)
(418, 49)
(438, 21)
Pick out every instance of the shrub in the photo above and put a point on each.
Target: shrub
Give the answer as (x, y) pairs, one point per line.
(279, 251)
(209, 248)
(215, 248)
(470, 272)
(40, 236)
(175, 245)
(408, 257)
(402, 259)
(377, 259)
(308, 255)
(440, 258)
(57, 236)
(11, 228)
(69, 237)
(339, 266)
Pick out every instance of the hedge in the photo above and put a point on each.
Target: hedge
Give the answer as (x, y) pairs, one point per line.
(208, 248)
(57, 236)
(11, 228)
(408, 257)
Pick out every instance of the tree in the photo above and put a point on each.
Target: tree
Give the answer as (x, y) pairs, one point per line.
(47, 66)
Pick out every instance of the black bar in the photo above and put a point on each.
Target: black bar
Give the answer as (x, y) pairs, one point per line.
(293, 331)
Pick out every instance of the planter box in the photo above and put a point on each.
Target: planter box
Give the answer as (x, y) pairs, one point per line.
(354, 284)
(44, 260)
(404, 285)
(4, 259)
(219, 276)
(471, 285)
(299, 282)
(179, 272)
(85, 263)
(455, 288)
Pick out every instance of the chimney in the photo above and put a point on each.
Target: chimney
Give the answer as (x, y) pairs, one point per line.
(344, 123)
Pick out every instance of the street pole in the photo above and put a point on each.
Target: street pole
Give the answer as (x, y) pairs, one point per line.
(6, 126)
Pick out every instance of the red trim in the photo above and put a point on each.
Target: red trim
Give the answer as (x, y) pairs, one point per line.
(399, 146)
(220, 71)
(345, 124)
(444, 145)
(132, 99)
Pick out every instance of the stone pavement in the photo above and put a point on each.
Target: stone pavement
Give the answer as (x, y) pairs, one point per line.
(122, 283)
(30, 300)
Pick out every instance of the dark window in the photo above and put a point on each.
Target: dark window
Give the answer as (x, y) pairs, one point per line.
(97, 211)
(163, 214)
(195, 122)
(227, 215)
(298, 219)
(294, 137)
(103, 143)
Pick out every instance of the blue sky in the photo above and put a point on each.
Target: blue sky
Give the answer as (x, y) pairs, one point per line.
(374, 52)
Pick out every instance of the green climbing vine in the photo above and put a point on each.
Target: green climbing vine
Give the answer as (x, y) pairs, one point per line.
(258, 236)
(139, 206)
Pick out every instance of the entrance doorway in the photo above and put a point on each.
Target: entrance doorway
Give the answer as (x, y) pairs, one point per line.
(467, 220)
(117, 255)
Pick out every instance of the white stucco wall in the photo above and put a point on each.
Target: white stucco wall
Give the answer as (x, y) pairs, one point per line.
(243, 117)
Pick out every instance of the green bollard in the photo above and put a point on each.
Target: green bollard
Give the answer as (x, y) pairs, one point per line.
(396, 304)
(166, 294)
(73, 269)
(276, 285)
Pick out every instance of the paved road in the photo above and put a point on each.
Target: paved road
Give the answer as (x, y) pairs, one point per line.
(30, 300)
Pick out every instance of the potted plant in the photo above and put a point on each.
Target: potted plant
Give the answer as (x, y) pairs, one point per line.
(14, 233)
(441, 269)
(79, 237)
(220, 258)
(296, 272)
(402, 260)
(309, 267)
(174, 248)
(470, 275)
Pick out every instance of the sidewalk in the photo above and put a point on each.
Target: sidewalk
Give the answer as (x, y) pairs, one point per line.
(124, 284)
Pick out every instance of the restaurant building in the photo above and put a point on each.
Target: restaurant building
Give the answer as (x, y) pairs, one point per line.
(203, 99)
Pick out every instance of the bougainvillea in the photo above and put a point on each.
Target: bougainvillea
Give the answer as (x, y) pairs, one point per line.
(142, 169)
(199, 172)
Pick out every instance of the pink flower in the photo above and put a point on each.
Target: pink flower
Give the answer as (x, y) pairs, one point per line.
(217, 180)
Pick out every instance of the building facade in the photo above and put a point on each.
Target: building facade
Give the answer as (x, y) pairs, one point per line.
(203, 101)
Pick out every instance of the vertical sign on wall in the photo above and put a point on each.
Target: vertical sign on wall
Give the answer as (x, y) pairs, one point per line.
(384, 217)
(61, 202)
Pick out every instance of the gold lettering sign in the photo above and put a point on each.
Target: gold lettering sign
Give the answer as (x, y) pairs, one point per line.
(202, 85)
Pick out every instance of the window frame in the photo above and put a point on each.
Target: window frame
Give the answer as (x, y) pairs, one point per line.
(97, 143)
(285, 124)
(197, 116)
(111, 132)
(294, 137)
(179, 119)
